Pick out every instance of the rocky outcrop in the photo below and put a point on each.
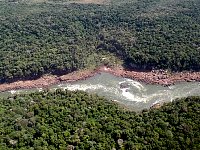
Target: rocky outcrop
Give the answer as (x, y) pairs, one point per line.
(161, 77)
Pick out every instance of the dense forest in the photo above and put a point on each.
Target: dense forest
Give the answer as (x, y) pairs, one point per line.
(77, 120)
(49, 36)
(40, 37)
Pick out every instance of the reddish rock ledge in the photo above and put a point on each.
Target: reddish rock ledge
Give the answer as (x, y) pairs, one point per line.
(161, 77)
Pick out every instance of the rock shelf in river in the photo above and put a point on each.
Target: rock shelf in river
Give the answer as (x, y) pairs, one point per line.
(161, 77)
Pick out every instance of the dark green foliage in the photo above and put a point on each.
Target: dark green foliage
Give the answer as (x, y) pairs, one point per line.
(55, 37)
(65, 119)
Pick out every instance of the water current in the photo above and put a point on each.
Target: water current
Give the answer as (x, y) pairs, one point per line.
(131, 93)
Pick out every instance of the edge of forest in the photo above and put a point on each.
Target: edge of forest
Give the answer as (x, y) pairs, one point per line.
(161, 77)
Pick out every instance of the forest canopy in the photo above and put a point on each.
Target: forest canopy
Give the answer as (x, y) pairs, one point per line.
(76, 120)
(50, 36)
(38, 37)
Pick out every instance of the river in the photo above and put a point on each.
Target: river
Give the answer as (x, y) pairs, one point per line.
(133, 94)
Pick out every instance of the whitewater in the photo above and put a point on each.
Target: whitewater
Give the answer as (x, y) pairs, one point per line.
(133, 94)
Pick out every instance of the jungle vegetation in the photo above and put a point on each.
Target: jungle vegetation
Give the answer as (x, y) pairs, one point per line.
(77, 120)
(57, 37)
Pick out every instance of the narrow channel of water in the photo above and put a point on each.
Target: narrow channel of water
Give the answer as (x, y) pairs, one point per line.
(132, 94)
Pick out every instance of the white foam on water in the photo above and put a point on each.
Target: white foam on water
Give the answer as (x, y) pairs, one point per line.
(159, 95)
(156, 102)
(40, 89)
(16, 91)
(131, 97)
(13, 91)
(83, 87)
(115, 100)
(171, 87)
(122, 82)
(134, 93)
(156, 97)
(136, 84)
(102, 90)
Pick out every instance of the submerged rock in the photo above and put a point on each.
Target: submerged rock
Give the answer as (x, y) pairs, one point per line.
(124, 85)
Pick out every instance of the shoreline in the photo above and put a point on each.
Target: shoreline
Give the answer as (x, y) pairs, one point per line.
(161, 77)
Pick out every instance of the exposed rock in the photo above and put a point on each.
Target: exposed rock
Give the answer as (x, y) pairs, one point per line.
(124, 85)
(161, 77)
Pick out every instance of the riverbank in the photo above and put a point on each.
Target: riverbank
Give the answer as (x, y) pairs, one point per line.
(161, 77)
